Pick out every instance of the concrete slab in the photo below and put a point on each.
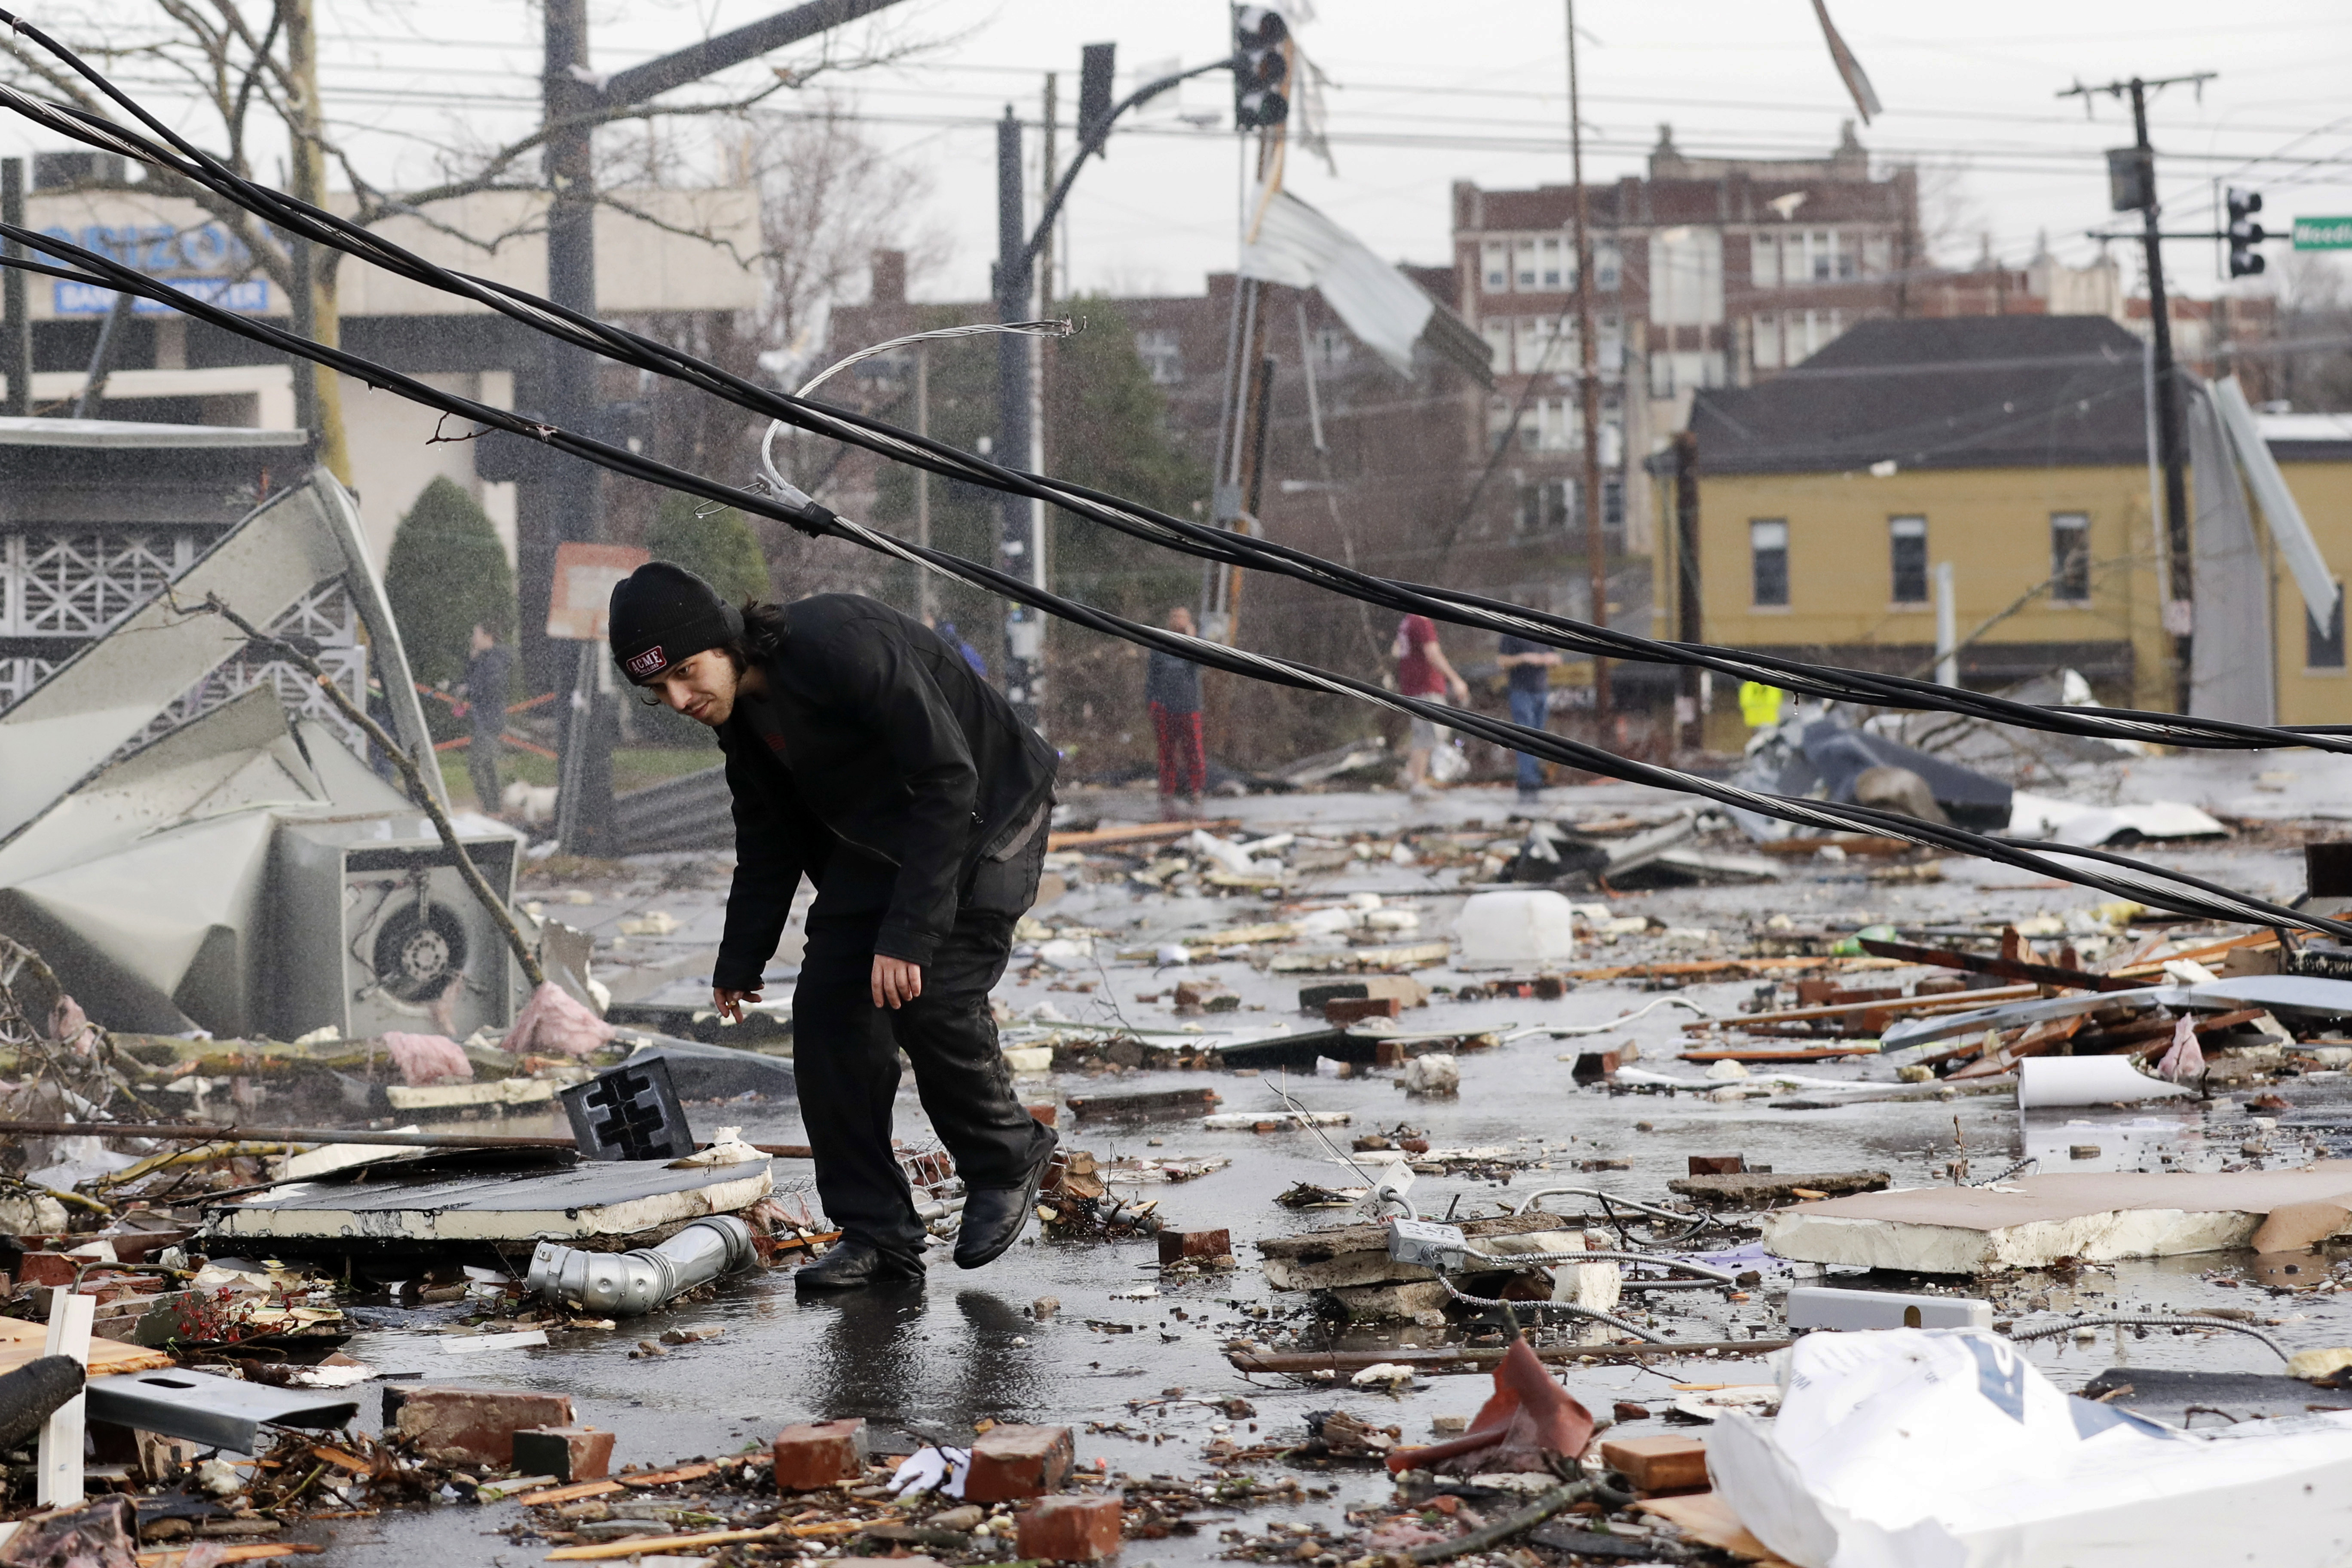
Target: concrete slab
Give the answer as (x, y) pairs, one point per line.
(594, 1198)
(2032, 1222)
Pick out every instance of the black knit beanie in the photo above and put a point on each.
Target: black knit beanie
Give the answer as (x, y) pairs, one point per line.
(662, 615)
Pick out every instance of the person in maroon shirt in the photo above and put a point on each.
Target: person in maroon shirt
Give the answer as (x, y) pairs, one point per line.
(1423, 672)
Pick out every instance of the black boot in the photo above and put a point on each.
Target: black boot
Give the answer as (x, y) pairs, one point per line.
(855, 1263)
(994, 1217)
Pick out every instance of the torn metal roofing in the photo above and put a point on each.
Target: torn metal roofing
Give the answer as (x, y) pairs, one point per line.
(103, 697)
(186, 852)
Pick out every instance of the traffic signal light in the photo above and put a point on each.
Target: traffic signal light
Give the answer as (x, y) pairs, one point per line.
(1097, 68)
(1261, 68)
(2244, 232)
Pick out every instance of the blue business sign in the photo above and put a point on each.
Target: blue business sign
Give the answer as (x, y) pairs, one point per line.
(197, 261)
(248, 295)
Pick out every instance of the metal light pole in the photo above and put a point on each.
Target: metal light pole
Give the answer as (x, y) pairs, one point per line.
(1021, 523)
(1024, 626)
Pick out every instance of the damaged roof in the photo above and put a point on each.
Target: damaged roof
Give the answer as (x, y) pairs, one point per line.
(1986, 392)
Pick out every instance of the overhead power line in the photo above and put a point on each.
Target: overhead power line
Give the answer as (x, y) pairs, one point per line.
(2098, 869)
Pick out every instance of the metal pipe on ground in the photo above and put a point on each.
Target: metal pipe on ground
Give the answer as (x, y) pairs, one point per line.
(187, 1132)
(633, 1283)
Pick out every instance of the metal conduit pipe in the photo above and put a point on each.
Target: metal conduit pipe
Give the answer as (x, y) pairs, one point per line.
(628, 1284)
(1522, 1259)
(2147, 1321)
(1529, 1202)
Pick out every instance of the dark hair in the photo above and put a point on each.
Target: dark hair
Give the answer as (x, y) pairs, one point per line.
(763, 636)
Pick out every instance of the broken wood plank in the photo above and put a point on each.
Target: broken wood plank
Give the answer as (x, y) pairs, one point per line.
(220, 1551)
(2033, 1040)
(2214, 1025)
(1471, 1359)
(2007, 968)
(666, 1545)
(22, 1342)
(1790, 1054)
(1135, 833)
(665, 1477)
(2257, 940)
(1851, 844)
(1707, 1517)
(573, 1493)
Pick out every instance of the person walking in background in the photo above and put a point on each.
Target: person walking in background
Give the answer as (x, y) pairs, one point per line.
(487, 674)
(1423, 672)
(1173, 687)
(947, 630)
(1529, 665)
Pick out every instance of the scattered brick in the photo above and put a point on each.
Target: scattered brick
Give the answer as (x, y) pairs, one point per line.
(819, 1454)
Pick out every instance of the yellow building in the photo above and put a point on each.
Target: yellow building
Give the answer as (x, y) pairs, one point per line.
(1816, 512)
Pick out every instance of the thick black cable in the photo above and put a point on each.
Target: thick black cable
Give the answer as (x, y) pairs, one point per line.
(1456, 607)
(2133, 879)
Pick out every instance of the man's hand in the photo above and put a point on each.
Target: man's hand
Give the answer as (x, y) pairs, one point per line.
(730, 1003)
(896, 980)
(1461, 690)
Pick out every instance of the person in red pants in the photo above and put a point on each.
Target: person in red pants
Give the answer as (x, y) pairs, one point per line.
(1173, 687)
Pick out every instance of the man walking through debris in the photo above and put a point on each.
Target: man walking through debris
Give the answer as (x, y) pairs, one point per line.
(862, 751)
(1173, 687)
(1530, 666)
(1424, 671)
(486, 674)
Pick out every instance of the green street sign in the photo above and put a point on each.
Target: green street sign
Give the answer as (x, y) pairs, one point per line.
(2323, 234)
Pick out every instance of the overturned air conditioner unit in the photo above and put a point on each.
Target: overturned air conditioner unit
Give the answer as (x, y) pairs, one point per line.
(247, 872)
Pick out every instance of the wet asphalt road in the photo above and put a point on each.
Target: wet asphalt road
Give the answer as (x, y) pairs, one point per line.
(935, 1359)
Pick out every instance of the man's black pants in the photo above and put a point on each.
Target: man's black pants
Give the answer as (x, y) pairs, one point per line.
(845, 1049)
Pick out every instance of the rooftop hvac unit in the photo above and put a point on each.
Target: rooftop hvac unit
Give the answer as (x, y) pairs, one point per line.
(377, 931)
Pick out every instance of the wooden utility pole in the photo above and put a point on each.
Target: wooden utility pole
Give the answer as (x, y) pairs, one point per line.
(1596, 545)
(318, 393)
(2132, 181)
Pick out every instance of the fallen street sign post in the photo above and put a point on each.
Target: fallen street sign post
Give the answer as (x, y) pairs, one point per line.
(2323, 234)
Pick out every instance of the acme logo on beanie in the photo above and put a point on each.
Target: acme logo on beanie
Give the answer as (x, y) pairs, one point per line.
(662, 615)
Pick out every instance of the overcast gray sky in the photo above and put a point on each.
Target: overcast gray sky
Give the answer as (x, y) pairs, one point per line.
(1424, 95)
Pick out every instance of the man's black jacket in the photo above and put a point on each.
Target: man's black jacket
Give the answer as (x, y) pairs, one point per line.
(875, 731)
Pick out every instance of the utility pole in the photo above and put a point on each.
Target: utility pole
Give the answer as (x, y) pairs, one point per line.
(318, 392)
(17, 334)
(2131, 175)
(1041, 251)
(1596, 543)
(1024, 626)
(562, 501)
(573, 494)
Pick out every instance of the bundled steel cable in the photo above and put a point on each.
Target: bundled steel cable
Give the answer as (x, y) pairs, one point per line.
(2098, 869)
(1828, 683)
(2123, 875)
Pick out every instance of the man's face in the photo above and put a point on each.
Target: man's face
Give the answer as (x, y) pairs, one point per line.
(702, 688)
(1179, 619)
